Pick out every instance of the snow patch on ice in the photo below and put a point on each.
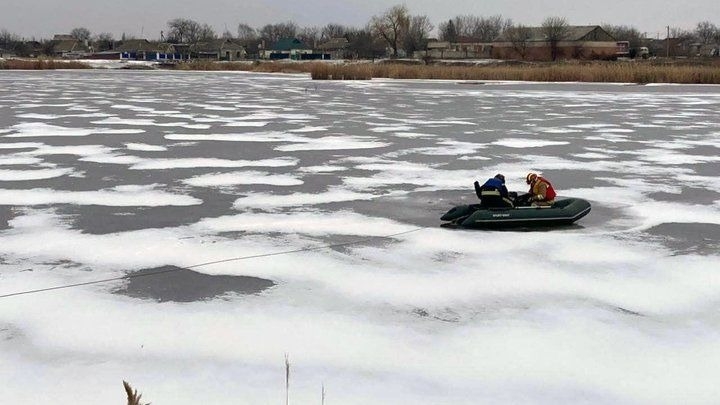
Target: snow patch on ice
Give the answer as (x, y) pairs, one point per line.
(239, 178)
(140, 196)
(145, 147)
(27, 130)
(527, 143)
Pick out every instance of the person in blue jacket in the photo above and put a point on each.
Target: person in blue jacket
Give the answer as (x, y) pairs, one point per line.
(494, 194)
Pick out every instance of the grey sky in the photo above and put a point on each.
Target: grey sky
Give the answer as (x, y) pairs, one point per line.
(146, 18)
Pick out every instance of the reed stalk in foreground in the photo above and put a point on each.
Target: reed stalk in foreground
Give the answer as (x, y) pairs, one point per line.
(133, 398)
(287, 379)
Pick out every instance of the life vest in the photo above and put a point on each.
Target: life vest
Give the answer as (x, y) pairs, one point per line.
(549, 191)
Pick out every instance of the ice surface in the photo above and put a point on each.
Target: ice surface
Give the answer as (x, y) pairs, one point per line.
(163, 164)
(260, 200)
(336, 199)
(334, 143)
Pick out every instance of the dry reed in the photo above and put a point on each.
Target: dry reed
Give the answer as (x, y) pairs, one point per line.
(41, 64)
(558, 72)
(287, 379)
(256, 66)
(133, 398)
(688, 72)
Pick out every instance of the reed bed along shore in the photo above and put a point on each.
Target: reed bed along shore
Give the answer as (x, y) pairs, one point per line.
(41, 64)
(660, 71)
(558, 72)
(688, 72)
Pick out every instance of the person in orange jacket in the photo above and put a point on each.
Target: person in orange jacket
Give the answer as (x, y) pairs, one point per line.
(542, 193)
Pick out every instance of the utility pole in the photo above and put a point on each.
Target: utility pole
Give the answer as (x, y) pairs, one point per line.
(668, 41)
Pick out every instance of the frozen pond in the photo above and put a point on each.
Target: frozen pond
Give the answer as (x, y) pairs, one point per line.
(330, 193)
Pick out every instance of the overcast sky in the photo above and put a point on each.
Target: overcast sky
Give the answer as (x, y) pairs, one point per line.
(146, 18)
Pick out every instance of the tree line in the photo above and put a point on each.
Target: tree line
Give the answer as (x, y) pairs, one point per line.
(395, 30)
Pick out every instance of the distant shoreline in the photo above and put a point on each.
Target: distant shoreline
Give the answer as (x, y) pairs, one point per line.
(687, 71)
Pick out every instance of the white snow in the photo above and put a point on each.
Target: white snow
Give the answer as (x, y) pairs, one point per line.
(527, 143)
(141, 196)
(37, 174)
(27, 130)
(239, 178)
(145, 147)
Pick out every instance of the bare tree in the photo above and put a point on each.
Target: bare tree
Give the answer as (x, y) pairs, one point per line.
(104, 41)
(519, 36)
(681, 34)
(392, 26)
(476, 28)
(80, 33)
(447, 31)
(466, 26)
(489, 28)
(333, 31)
(206, 33)
(183, 31)
(246, 32)
(7, 38)
(275, 32)
(706, 32)
(309, 35)
(363, 44)
(417, 35)
(555, 30)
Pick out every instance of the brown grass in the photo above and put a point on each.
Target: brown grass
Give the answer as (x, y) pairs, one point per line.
(42, 64)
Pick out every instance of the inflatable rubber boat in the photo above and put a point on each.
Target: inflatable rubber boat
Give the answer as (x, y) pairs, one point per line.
(563, 212)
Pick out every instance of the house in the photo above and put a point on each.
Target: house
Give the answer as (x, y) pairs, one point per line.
(579, 42)
(435, 49)
(106, 55)
(7, 53)
(676, 47)
(335, 47)
(219, 49)
(287, 48)
(34, 48)
(70, 48)
(63, 37)
(142, 49)
(464, 48)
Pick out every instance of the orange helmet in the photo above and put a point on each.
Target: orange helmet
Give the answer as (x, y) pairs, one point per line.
(530, 178)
